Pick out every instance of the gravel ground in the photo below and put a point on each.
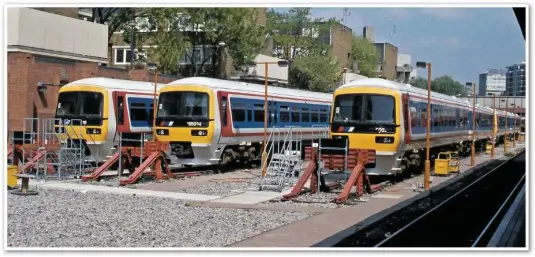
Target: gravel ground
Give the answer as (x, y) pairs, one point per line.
(222, 188)
(58, 218)
(318, 200)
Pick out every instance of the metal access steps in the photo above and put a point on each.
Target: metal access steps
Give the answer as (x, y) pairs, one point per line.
(285, 162)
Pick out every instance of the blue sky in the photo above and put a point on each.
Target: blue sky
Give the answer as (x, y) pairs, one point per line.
(460, 42)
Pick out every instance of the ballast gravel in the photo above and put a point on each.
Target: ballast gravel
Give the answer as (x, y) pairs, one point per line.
(223, 188)
(67, 218)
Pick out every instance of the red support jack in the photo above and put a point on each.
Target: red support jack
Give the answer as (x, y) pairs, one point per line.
(311, 173)
(96, 175)
(154, 156)
(356, 161)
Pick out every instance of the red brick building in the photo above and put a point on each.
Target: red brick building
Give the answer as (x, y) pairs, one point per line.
(60, 58)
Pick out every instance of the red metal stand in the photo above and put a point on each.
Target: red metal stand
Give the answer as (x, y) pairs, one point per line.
(96, 175)
(153, 155)
(356, 161)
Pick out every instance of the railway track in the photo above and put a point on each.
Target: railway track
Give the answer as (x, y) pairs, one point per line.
(200, 170)
(460, 220)
(463, 214)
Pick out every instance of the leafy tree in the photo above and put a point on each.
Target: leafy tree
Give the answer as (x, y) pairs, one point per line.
(444, 85)
(314, 72)
(115, 18)
(182, 31)
(295, 33)
(419, 82)
(304, 42)
(366, 55)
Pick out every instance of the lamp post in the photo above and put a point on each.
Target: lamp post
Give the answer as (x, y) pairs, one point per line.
(514, 133)
(133, 25)
(506, 132)
(494, 125)
(282, 63)
(155, 102)
(221, 51)
(427, 171)
(473, 147)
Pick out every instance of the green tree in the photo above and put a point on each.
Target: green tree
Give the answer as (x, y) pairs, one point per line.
(419, 82)
(183, 31)
(365, 54)
(295, 33)
(444, 85)
(116, 19)
(303, 42)
(447, 85)
(314, 72)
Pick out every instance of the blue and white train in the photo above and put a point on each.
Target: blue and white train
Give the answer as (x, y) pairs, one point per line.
(210, 121)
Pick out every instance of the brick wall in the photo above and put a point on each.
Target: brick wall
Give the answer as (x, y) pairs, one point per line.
(26, 70)
(390, 62)
(342, 37)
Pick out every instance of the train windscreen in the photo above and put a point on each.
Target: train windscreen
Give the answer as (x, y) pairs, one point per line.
(79, 105)
(364, 113)
(364, 108)
(183, 105)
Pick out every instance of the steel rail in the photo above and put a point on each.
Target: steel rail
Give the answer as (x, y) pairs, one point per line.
(446, 201)
(505, 202)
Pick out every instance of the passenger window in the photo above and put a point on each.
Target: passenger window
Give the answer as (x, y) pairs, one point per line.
(138, 112)
(238, 112)
(258, 113)
(314, 116)
(151, 115)
(284, 114)
(295, 114)
(305, 115)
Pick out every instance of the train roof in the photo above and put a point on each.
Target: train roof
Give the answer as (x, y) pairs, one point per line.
(484, 108)
(383, 83)
(117, 84)
(219, 84)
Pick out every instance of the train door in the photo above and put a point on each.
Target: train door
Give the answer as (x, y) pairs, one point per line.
(406, 118)
(122, 121)
(224, 131)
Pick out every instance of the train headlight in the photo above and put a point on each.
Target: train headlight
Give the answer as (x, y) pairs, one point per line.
(199, 133)
(93, 131)
(384, 140)
(162, 132)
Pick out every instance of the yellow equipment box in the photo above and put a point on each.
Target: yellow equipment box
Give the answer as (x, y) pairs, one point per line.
(11, 179)
(447, 162)
(442, 163)
(489, 148)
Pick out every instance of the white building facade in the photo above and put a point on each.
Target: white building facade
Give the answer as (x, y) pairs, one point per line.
(492, 81)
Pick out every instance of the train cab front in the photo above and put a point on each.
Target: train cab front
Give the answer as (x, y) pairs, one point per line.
(369, 118)
(185, 119)
(81, 117)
